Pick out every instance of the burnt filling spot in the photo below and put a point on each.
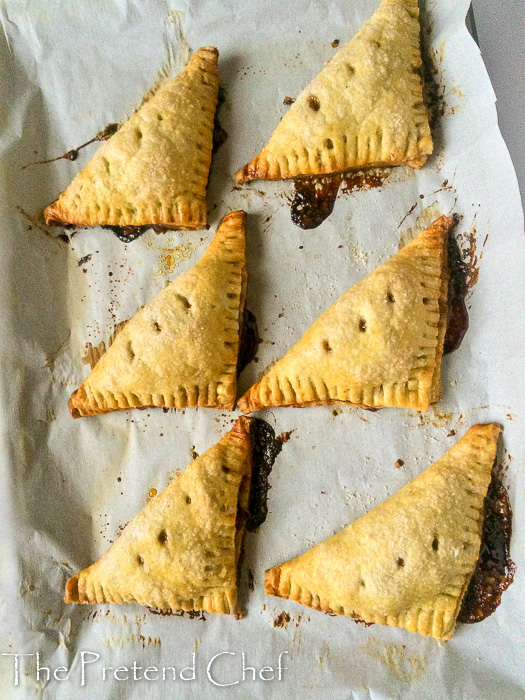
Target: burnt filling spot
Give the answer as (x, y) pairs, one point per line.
(266, 447)
(495, 569)
(248, 341)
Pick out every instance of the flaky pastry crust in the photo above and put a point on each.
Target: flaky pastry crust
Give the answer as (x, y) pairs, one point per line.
(379, 345)
(408, 562)
(181, 349)
(181, 552)
(365, 109)
(154, 170)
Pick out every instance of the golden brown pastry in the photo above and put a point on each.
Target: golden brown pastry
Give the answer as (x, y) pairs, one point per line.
(365, 108)
(181, 551)
(154, 170)
(379, 345)
(180, 349)
(406, 563)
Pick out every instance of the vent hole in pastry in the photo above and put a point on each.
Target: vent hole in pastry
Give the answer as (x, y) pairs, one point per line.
(226, 470)
(326, 346)
(131, 353)
(390, 298)
(156, 326)
(139, 134)
(140, 560)
(362, 583)
(160, 117)
(313, 103)
(163, 537)
(400, 562)
(188, 500)
(425, 300)
(185, 301)
(329, 144)
(435, 544)
(362, 325)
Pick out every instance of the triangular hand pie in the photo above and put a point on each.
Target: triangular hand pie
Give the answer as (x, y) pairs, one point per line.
(154, 170)
(180, 349)
(406, 563)
(379, 345)
(181, 551)
(364, 109)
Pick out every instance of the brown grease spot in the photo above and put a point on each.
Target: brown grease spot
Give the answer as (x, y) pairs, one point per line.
(282, 620)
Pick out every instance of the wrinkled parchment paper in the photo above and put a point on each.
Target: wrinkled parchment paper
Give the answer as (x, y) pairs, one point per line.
(69, 68)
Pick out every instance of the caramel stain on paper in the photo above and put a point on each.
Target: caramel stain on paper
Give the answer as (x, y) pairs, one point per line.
(314, 197)
(107, 132)
(192, 614)
(468, 244)
(170, 258)
(282, 620)
(283, 438)
(151, 494)
(395, 658)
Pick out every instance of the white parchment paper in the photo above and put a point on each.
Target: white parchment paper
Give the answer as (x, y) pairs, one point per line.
(68, 68)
